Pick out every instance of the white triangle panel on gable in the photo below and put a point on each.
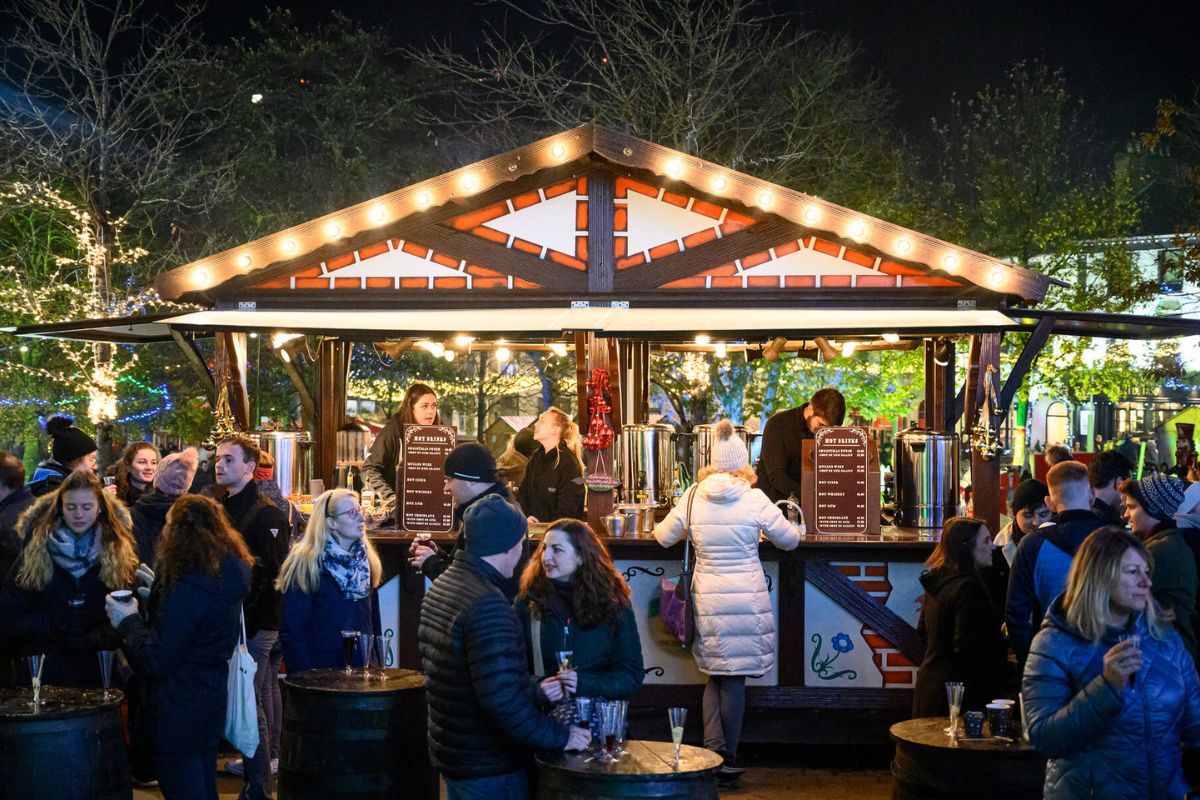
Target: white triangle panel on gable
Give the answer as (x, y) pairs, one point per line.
(809, 262)
(550, 223)
(653, 222)
(395, 264)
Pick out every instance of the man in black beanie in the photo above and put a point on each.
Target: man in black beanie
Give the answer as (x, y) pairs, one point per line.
(483, 721)
(470, 476)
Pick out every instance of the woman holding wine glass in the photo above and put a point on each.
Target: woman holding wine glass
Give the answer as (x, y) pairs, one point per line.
(572, 599)
(328, 583)
(79, 548)
(194, 615)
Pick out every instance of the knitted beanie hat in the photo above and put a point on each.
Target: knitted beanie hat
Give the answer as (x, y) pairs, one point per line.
(1159, 494)
(728, 451)
(67, 442)
(176, 472)
(493, 525)
(471, 461)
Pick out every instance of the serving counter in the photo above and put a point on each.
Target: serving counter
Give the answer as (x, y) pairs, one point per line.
(846, 611)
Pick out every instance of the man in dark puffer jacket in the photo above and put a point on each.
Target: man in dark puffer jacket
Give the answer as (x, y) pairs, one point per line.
(483, 723)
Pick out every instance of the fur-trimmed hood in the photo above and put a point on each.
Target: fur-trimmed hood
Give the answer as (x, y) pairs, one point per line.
(35, 547)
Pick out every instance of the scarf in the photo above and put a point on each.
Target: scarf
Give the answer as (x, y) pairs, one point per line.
(348, 568)
(562, 599)
(74, 554)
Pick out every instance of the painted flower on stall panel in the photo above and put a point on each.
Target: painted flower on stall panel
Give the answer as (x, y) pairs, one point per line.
(842, 643)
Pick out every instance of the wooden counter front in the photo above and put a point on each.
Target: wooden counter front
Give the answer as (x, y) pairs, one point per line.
(846, 610)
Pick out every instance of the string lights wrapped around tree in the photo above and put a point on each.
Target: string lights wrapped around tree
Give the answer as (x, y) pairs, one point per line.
(224, 425)
(599, 437)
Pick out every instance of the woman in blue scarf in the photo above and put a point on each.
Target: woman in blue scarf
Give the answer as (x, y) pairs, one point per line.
(328, 585)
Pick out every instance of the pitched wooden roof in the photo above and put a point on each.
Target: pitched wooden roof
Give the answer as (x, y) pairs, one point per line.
(591, 212)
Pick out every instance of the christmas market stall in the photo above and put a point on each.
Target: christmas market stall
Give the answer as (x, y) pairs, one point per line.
(611, 247)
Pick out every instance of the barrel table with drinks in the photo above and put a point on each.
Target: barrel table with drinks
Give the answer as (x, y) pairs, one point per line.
(359, 735)
(643, 769)
(68, 746)
(930, 763)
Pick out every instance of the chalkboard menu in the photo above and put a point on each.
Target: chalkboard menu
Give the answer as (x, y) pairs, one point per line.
(840, 459)
(425, 505)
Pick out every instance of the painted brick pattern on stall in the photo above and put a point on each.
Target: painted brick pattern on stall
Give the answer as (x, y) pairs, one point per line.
(897, 669)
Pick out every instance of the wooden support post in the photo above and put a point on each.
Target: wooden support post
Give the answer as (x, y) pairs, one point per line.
(601, 253)
(230, 363)
(985, 474)
(939, 384)
(191, 355)
(1029, 353)
(333, 367)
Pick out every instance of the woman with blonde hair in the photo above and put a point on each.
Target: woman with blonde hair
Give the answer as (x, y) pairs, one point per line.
(182, 651)
(79, 547)
(1110, 691)
(328, 584)
(553, 484)
(735, 626)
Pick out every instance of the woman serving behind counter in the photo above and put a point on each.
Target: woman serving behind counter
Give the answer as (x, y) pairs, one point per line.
(553, 485)
(387, 451)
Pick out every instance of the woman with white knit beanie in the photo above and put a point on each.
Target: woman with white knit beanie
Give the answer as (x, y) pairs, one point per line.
(735, 626)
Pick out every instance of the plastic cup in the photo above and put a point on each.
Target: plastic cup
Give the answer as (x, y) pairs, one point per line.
(974, 724)
(1000, 719)
(121, 595)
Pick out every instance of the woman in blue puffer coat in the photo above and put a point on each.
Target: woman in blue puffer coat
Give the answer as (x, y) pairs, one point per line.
(1110, 691)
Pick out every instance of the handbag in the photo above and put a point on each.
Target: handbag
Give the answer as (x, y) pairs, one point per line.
(676, 605)
(241, 709)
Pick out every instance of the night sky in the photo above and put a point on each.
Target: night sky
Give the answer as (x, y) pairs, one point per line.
(1121, 57)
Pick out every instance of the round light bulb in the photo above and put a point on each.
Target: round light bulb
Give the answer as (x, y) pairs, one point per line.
(502, 354)
(674, 167)
(469, 182)
(289, 245)
(996, 276)
(720, 183)
(243, 261)
(462, 340)
(950, 262)
(424, 198)
(333, 230)
(812, 214)
(765, 199)
(377, 214)
(558, 150)
(448, 355)
(904, 245)
(858, 229)
(200, 278)
(703, 338)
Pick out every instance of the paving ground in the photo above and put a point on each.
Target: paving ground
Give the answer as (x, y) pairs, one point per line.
(778, 773)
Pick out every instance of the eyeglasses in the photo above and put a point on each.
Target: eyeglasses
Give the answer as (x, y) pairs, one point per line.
(354, 510)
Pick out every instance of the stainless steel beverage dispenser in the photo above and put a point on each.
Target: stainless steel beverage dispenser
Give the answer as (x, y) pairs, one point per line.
(645, 464)
(292, 451)
(925, 466)
(703, 443)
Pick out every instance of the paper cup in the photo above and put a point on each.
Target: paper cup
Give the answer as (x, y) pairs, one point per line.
(121, 595)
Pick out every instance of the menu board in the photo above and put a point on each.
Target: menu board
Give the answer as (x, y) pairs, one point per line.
(425, 505)
(840, 461)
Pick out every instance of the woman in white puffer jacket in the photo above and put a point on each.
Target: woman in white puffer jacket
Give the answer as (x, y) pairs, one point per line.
(735, 627)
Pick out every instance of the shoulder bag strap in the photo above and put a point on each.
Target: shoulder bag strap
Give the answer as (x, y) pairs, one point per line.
(535, 641)
(242, 614)
(687, 528)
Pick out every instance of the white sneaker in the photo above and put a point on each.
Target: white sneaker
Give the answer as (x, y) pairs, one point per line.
(235, 766)
(274, 766)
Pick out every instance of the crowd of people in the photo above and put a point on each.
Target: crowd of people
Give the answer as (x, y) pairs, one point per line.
(1096, 630)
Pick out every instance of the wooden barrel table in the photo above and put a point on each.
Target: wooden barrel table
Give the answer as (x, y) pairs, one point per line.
(929, 764)
(349, 738)
(644, 770)
(71, 747)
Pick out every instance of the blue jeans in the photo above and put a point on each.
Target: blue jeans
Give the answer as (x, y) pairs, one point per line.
(259, 784)
(513, 786)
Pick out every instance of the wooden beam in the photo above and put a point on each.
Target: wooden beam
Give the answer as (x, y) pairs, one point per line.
(601, 260)
(1029, 353)
(985, 473)
(502, 259)
(754, 239)
(939, 383)
(191, 355)
(333, 364)
(230, 363)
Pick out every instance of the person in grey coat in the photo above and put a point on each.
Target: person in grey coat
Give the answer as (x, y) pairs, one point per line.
(1110, 691)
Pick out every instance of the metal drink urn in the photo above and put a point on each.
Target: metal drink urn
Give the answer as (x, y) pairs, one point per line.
(705, 439)
(925, 466)
(644, 464)
(292, 452)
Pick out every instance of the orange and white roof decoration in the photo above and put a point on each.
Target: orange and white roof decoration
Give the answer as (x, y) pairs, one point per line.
(593, 212)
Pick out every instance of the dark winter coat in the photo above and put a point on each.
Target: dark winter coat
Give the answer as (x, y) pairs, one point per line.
(149, 515)
(437, 563)
(48, 476)
(607, 658)
(264, 527)
(1107, 513)
(482, 717)
(386, 453)
(184, 652)
(311, 625)
(1176, 577)
(1103, 743)
(779, 463)
(64, 620)
(960, 628)
(11, 509)
(1039, 573)
(553, 485)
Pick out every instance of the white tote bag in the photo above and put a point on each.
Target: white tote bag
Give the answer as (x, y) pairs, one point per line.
(241, 709)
